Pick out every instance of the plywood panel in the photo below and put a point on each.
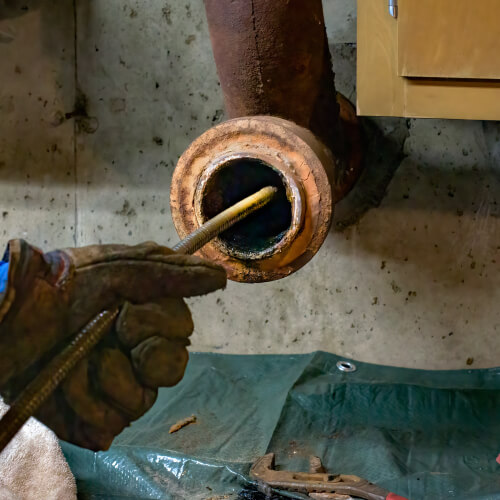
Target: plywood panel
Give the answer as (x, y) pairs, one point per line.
(379, 93)
(449, 39)
(382, 92)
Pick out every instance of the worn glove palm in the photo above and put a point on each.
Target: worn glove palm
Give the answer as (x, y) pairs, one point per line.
(50, 297)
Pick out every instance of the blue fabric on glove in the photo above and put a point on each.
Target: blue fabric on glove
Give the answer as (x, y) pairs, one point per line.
(4, 273)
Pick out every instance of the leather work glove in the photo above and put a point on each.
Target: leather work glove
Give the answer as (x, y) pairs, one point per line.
(49, 297)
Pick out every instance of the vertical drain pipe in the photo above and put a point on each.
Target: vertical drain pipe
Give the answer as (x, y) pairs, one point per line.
(286, 122)
(272, 58)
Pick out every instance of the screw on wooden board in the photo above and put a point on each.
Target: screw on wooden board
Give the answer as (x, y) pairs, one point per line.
(393, 8)
(38, 390)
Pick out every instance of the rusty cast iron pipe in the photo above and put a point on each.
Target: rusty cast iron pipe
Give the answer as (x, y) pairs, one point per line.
(272, 58)
(288, 128)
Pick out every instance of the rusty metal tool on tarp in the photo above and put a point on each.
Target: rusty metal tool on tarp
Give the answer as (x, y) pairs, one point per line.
(39, 389)
(317, 483)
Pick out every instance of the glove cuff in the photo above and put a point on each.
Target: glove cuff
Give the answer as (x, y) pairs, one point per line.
(11, 255)
(26, 263)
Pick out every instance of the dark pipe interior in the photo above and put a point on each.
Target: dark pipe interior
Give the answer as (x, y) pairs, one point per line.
(236, 180)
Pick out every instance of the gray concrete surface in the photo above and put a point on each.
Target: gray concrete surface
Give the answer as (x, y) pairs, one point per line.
(409, 273)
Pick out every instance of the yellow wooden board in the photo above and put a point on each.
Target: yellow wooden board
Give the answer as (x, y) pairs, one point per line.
(449, 38)
(382, 92)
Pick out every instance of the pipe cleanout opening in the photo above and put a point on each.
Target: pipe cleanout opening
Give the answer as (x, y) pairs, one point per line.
(235, 180)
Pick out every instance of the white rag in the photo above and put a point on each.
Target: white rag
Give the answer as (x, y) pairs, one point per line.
(33, 467)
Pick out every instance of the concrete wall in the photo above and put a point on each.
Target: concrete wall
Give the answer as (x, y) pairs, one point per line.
(99, 98)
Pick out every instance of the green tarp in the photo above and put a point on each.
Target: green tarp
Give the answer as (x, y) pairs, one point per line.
(421, 434)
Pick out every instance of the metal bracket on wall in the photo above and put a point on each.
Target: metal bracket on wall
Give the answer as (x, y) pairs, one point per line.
(393, 8)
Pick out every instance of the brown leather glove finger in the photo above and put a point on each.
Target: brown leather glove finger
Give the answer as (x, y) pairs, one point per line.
(88, 405)
(142, 273)
(159, 362)
(57, 414)
(119, 386)
(168, 317)
(89, 412)
(90, 437)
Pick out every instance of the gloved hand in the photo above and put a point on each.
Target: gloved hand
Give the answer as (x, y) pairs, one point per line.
(49, 297)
